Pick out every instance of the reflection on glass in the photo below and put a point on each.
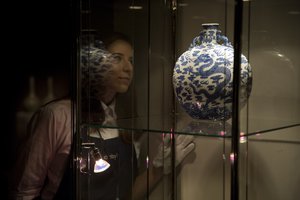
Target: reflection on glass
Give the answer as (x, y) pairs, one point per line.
(100, 164)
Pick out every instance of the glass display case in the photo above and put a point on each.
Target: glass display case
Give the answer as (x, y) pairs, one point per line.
(251, 150)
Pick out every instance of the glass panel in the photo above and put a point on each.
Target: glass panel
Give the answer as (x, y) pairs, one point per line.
(273, 53)
(205, 174)
(107, 157)
(269, 153)
(272, 165)
(190, 17)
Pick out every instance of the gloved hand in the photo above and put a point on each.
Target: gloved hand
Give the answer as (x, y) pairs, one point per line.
(183, 146)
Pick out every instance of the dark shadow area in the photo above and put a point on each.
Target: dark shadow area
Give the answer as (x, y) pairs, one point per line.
(36, 43)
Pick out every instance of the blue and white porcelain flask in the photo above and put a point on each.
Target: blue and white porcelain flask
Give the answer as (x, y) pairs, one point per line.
(203, 76)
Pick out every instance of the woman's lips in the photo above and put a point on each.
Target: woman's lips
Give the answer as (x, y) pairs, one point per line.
(125, 79)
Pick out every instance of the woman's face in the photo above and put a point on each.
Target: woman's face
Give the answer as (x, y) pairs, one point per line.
(120, 75)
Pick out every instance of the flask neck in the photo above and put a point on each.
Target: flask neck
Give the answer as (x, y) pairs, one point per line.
(209, 33)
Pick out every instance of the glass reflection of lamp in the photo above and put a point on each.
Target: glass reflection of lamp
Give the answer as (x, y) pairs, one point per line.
(100, 164)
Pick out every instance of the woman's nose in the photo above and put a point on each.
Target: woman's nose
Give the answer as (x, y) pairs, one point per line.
(128, 66)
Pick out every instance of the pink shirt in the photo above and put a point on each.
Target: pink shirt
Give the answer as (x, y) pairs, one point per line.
(47, 152)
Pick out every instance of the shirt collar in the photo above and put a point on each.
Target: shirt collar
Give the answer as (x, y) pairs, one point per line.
(111, 107)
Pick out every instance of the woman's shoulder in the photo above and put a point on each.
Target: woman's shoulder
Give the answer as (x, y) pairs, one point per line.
(58, 107)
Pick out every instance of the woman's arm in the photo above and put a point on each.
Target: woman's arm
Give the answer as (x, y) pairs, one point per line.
(148, 179)
(161, 164)
(44, 154)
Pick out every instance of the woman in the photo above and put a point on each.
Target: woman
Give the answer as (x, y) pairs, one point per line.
(44, 170)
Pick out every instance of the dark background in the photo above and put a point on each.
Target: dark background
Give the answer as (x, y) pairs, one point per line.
(36, 40)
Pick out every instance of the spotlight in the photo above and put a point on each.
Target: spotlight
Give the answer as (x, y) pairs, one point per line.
(100, 164)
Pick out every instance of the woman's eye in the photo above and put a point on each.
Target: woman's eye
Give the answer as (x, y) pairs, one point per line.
(116, 58)
(131, 60)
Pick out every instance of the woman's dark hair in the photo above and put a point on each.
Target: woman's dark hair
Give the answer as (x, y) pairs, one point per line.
(112, 37)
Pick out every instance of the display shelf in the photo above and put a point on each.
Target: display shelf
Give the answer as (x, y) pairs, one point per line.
(289, 133)
(194, 127)
(200, 132)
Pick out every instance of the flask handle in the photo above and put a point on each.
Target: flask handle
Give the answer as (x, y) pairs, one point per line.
(223, 40)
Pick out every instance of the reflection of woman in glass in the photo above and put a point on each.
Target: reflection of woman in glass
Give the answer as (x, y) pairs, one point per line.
(43, 170)
(105, 74)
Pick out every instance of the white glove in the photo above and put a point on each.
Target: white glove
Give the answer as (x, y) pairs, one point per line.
(183, 146)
